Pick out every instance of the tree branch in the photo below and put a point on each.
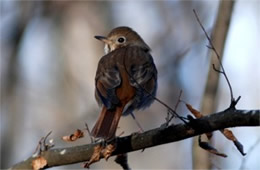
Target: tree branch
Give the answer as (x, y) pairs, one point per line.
(151, 138)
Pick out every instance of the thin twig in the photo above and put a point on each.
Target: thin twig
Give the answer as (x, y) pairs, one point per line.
(179, 100)
(211, 46)
(136, 121)
(92, 141)
(214, 68)
(121, 134)
(42, 146)
(46, 146)
(38, 148)
(176, 105)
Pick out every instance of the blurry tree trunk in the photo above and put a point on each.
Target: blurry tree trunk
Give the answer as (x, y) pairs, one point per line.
(201, 159)
(10, 80)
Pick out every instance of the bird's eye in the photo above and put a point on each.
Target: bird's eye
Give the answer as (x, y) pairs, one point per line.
(121, 39)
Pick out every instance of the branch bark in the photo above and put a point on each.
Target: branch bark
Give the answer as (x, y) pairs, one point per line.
(151, 138)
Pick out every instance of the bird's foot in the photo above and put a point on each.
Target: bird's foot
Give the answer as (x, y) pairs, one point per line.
(102, 150)
(95, 156)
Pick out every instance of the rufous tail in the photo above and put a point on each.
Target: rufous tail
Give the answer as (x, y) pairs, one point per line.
(107, 123)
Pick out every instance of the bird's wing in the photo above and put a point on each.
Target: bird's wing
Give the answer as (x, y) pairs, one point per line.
(142, 69)
(107, 79)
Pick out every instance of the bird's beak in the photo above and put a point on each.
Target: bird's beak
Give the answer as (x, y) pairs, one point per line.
(103, 39)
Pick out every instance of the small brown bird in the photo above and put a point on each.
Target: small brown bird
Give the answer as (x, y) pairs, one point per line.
(126, 79)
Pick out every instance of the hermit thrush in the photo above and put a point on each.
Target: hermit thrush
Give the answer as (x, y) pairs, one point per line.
(126, 79)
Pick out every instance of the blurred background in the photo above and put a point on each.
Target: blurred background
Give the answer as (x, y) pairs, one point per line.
(49, 58)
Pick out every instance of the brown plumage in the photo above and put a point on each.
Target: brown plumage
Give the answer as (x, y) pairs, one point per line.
(124, 77)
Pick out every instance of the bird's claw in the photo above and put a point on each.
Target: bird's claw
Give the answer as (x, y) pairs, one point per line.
(102, 150)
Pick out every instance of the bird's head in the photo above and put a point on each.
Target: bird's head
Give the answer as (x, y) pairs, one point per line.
(121, 37)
